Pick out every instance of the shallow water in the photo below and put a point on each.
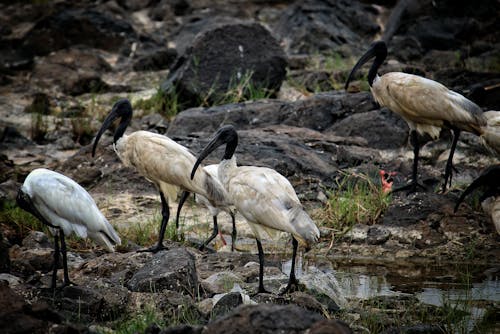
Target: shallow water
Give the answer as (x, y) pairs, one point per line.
(463, 286)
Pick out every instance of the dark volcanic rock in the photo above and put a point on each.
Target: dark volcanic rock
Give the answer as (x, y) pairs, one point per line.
(75, 70)
(68, 27)
(381, 128)
(264, 318)
(221, 58)
(227, 303)
(17, 316)
(312, 26)
(172, 270)
(155, 60)
(318, 112)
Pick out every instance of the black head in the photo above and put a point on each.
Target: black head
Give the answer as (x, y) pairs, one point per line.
(24, 201)
(378, 50)
(121, 109)
(225, 135)
(489, 181)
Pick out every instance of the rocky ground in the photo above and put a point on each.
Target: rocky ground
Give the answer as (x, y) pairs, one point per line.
(62, 67)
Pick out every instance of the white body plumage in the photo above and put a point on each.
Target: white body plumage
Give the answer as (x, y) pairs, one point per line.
(167, 164)
(267, 200)
(426, 105)
(66, 205)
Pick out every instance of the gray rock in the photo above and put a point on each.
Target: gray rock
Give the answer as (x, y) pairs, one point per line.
(222, 57)
(228, 302)
(172, 270)
(381, 128)
(377, 235)
(37, 239)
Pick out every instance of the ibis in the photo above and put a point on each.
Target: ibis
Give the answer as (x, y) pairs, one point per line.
(63, 205)
(214, 211)
(426, 105)
(264, 197)
(162, 161)
(489, 181)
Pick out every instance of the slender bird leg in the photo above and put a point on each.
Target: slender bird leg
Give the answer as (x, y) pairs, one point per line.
(165, 213)
(233, 234)
(293, 284)
(448, 171)
(65, 262)
(184, 196)
(212, 236)
(56, 261)
(412, 186)
(261, 268)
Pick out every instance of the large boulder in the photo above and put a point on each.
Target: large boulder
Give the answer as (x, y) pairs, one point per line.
(221, 58)
(264, 318)
(172, 270)
(68, 27)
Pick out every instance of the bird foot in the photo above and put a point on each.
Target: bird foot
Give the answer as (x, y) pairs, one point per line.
(292, 286)
(154, 249)
(261, 290)
(68, 283)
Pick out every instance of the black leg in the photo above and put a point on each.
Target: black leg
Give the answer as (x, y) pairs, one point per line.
(448, 171)
(65, 261)
(233, 234)
(412, 186)
(56, 261)
(184, 196)
(293, 284)
(165, 213)
(261, 268)
(214, 234)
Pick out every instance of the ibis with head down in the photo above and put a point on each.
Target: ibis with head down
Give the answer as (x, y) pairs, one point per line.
(427, 106)
(64, 206)
(162, 161)
(489, 182)
(264, 197)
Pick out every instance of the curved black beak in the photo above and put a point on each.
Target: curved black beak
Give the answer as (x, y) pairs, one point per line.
(225, 135)
(490, 178)
(378, 50)
(105, 125)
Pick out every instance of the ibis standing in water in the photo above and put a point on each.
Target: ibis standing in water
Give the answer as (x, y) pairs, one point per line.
(489, 181)
(64, 206)
(264, 197)
(426, 105)
(162, 161)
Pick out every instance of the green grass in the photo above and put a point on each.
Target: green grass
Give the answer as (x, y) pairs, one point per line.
(146, 233)
(39, 127)
(238, 90)
(140, 321)
(165, 103)
(19, 221)
(356, 199)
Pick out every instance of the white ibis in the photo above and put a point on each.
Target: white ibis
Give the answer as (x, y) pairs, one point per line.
(489, 181)
(162, 161)
(264, 197)
(426, 105)
(64, 206)
(214, 211)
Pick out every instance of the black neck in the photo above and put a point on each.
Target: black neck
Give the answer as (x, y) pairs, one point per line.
(230, 147)
(120, 130)
(379, 60)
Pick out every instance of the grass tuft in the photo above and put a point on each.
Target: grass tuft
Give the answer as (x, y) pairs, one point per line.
(356, 199)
